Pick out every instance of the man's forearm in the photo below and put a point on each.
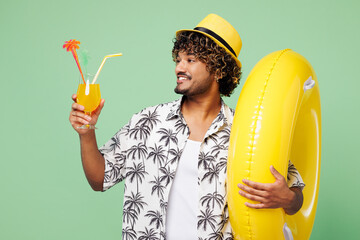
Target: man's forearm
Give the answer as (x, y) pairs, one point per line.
(296, 202)
(93, 162)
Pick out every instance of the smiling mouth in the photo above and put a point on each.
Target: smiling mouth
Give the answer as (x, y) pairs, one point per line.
(182, 77)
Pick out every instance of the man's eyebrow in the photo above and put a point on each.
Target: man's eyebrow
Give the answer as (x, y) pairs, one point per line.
(188, 54)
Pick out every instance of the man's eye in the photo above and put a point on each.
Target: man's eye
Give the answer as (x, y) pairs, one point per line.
(191, 60)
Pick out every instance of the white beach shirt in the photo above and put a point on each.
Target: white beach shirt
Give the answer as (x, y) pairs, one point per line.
(145, 155)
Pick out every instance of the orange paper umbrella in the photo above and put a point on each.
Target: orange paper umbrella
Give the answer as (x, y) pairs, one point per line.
(72, 45)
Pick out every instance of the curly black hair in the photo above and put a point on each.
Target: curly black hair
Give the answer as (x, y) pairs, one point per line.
(217, 60)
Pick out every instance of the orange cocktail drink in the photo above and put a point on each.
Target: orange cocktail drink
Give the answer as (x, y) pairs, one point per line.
(89, 96)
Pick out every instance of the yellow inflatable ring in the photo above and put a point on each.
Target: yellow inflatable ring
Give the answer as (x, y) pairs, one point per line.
(277, 118)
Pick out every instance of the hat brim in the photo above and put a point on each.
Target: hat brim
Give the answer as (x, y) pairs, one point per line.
(215, 40)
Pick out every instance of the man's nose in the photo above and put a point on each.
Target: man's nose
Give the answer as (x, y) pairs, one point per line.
(180, 67)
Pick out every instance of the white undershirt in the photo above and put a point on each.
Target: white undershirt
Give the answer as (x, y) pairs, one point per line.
(182, 209)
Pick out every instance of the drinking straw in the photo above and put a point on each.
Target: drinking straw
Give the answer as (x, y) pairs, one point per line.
(102, 64)
(84, 59)
(72, 45)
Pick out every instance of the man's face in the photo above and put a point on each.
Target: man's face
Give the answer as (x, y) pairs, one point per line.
(192, 76)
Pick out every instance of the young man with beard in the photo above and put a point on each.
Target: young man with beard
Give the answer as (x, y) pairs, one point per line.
(172, 157)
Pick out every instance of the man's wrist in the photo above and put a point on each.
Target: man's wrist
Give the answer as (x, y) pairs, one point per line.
(87, 135)
(295, 201)
(290, 199)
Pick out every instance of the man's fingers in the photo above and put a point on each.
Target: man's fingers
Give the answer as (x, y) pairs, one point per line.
(251, 197)
(256, 185)
(255, 205)
(77, 107)
(252, 190)
(79, 117)
(78, 114)
(80, 121)
(74, 96)
(275, 173)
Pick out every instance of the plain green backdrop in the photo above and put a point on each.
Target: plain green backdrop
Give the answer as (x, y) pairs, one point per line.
(44, 194)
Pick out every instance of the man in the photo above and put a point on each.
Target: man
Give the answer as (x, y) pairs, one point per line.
(173, 156)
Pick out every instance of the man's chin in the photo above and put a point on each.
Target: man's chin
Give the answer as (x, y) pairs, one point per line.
(180, 91)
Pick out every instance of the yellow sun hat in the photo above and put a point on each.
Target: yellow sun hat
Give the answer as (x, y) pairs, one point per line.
(222, 32)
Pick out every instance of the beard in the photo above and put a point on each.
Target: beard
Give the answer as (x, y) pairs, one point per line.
(193, 90)
(180, 91)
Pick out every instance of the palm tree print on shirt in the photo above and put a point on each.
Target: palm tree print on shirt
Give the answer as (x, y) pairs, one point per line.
(136, 172)
(128, 234)
(135, 201)
(148, 234)
(156, 218)
(157, 187)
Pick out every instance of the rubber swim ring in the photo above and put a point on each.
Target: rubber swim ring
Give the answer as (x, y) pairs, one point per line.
(277, 118)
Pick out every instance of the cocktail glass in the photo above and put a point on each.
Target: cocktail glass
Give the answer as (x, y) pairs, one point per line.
(89, 96)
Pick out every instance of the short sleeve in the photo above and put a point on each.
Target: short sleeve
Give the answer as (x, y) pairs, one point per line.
(294, 178)
(114, 153)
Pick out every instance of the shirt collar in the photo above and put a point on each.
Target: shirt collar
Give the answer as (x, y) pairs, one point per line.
(175, 109)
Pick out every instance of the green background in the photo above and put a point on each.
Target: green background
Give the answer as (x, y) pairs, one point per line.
(44, 194)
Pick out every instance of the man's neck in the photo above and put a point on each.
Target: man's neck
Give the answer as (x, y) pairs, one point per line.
(201, 107)
(199, 113)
